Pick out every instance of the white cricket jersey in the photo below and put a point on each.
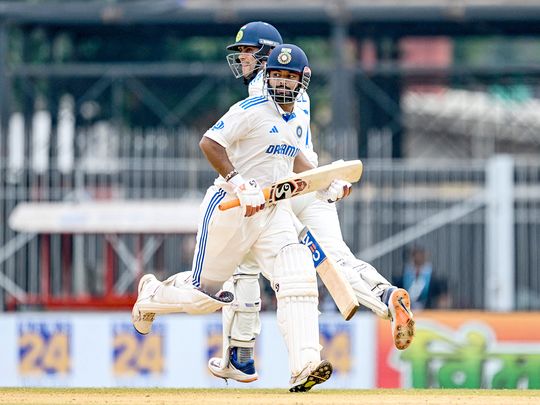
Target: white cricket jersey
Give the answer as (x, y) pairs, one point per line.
(302, 108)
(260, 140)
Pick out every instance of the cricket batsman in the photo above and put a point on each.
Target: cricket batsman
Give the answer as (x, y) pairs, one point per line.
(241, 324)
(252, 146)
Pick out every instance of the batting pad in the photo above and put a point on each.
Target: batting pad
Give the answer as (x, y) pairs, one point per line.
(241, 322)
(295, 284)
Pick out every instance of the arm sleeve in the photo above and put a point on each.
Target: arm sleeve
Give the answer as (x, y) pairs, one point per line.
(234, 125)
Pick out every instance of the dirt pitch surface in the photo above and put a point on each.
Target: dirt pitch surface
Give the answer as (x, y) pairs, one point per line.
(102, 396)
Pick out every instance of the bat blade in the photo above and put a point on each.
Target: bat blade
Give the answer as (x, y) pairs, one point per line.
(334, 281)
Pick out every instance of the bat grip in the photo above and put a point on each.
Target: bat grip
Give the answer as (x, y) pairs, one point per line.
(236, 202)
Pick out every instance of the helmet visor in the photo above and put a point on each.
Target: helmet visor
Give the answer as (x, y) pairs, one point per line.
(243, 64)
(283, 91)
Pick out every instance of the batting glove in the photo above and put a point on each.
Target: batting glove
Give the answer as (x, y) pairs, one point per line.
(250, 195)
(337, 190)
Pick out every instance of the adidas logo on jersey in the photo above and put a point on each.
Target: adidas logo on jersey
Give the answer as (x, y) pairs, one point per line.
(274, 130)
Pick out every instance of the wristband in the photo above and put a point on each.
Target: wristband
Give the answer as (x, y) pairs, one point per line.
(237, 181)
(231, 174)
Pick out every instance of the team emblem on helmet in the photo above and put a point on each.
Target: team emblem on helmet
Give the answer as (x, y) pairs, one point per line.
(285, 56)
(240, 34)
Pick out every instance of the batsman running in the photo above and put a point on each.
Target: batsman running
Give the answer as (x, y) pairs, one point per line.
(241, 324)
(252, 146)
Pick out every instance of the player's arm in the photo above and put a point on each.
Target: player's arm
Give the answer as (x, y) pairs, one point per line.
(249, 193)
(216, 156)
(301, 163)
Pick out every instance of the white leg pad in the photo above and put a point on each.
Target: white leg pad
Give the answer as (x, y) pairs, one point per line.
(295, 284)
(368, 286)
(176, 294)
(241, 321)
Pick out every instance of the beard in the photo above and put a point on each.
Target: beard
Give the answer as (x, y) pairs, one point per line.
(282, 95)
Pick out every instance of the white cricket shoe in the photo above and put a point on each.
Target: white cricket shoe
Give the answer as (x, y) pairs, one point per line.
(399, 305)
(312, 374)
(142, 321)
(241, 372)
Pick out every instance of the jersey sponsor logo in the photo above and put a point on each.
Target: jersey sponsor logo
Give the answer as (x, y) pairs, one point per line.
(274, 130)
(218, 126)
(299, 131)
(283, 149)
(286, 190)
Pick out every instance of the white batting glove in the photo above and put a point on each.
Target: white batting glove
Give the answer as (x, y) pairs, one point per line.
(337, 190)
(250, 195)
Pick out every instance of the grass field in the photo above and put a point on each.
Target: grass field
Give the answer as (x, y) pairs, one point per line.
(115, 396)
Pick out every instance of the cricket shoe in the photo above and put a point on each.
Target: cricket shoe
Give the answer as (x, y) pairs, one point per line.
(399, 305)
(142, 321)
(312, 374)
(241, 372)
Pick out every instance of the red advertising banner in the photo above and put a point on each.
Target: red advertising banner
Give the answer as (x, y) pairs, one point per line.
(463, 350)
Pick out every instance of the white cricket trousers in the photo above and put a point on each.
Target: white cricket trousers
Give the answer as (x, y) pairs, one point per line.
(225, 237)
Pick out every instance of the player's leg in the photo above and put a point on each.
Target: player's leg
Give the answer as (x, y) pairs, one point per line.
(289, 266)
(218, 251)
(171, 296)
(241, 326)
(322, 219)
(371, 288)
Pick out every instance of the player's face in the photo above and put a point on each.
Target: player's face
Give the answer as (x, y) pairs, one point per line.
(284, 85)
(246, 58)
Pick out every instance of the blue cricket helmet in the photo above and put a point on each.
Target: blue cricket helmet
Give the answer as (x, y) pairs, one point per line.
(287, 57)
(259, 34)
(293, 59)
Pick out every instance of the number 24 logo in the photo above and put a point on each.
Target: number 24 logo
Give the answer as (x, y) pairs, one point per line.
(41, 354)
(135, 355)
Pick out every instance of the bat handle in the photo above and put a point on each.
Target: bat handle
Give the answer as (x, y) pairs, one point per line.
(236, 202)
(227, 205)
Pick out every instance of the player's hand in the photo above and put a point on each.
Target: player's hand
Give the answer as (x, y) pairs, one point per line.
(251, 197)
(337, 190)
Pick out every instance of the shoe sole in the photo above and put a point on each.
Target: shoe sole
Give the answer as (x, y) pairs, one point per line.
(148, 316)
(321, 374)
(404, 324)
(214, 373)
(231, 378)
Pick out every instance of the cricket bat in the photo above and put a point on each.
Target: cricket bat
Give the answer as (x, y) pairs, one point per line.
(307, 182)
(334, 281)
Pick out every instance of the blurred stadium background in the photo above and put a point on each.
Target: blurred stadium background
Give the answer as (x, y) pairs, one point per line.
(102, 104)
